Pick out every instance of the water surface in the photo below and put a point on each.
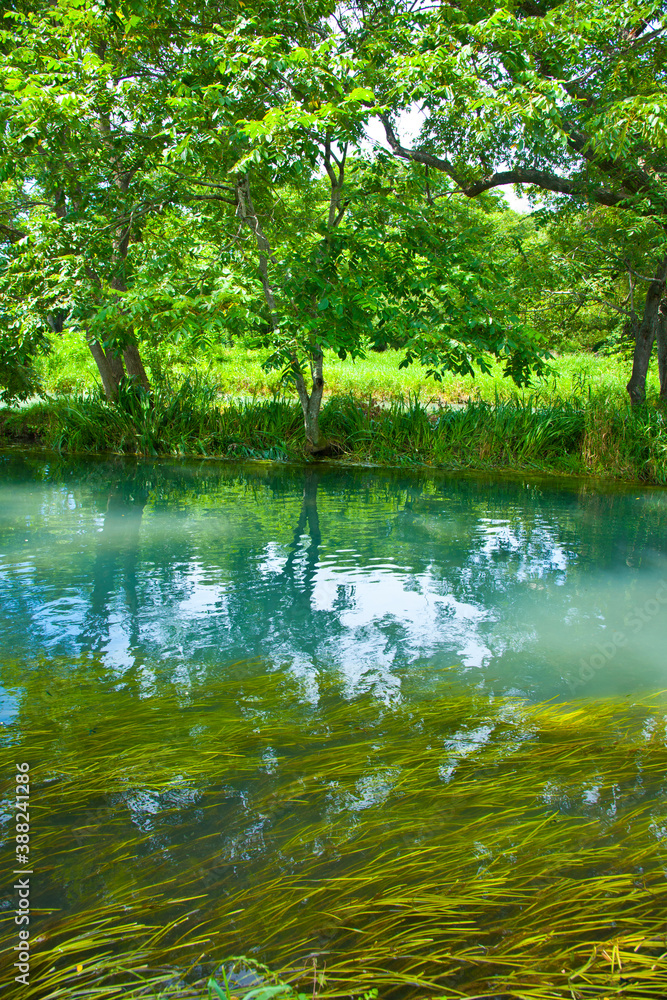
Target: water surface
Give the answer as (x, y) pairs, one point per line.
(163, 573)
(247, 684)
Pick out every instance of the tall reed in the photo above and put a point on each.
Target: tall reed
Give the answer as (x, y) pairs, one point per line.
(588, 434)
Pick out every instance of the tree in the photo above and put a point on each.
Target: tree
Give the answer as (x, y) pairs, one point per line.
(84, 118)
(567, 98)
(579, 274)
(93, 99)
(18, 378)
(119, 126)
(382, 271)
(349, 265)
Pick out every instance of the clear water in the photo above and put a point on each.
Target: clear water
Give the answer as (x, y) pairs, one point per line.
(166, 572)
(224, 677)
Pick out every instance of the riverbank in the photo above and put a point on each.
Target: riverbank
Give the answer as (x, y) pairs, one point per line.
(587, 435)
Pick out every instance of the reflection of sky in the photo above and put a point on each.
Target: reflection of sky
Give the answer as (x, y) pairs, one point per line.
(537, 554)
(202, 596)
(9, 704)
(174, 593)
(380, 615)
(384, 604)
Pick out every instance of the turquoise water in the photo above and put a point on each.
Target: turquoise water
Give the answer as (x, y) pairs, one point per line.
(162, 572)
(289, 694)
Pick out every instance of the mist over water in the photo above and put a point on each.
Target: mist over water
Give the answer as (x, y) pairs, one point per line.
(168, 574)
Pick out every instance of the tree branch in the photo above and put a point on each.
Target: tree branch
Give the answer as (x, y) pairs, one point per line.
(195, 180)
(211, 197)
(337, 178)
(245, 210)
(639, 40)
(519, 175)
(11, 234)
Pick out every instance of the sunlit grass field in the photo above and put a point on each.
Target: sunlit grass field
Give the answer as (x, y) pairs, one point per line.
(238, 371)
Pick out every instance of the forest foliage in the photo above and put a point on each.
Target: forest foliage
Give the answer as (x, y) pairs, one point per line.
(322, 180)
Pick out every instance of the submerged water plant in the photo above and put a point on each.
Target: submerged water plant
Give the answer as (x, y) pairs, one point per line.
(463, 847)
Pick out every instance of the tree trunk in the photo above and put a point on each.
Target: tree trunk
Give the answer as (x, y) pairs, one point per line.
(311, 420)
(135, 366)
(110, 367)
(662, 349)
(646, 335)
(126, 360)
(115, 362)
(245, 210)
(311, 402)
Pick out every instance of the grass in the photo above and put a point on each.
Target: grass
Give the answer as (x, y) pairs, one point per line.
(224, 404)
(459, 847)
(586, 435)
(237, 371)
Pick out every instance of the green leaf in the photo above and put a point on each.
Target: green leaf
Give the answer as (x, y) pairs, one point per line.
(267, 992)
(360, 94)
(215, 991)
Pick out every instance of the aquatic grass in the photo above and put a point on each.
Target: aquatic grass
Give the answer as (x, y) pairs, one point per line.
(188, 420)
(100, 953)
(470, 847)
(168, 422)
(586, 434)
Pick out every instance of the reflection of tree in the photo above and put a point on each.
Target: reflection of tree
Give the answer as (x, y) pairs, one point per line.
(118, 546)
(117, 555)
(234, 564)
(308, 516)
